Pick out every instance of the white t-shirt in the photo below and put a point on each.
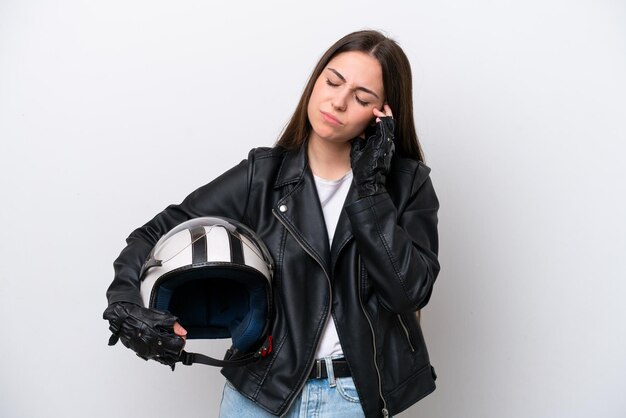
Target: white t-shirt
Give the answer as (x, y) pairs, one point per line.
(332, 195)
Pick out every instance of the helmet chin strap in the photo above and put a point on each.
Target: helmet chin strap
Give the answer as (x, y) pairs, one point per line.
(230, 359)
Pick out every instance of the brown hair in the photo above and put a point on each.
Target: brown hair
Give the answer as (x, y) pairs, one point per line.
(397, 83)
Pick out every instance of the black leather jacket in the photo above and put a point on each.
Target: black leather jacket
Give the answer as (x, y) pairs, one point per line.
(376, 276)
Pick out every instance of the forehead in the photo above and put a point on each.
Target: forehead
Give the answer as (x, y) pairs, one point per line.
(358, 68)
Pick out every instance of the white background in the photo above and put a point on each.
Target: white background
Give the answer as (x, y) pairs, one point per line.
(111, 110)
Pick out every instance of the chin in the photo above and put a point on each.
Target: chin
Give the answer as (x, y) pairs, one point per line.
(332, 137)
(329, 134)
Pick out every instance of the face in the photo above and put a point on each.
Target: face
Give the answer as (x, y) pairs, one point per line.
(344, 97)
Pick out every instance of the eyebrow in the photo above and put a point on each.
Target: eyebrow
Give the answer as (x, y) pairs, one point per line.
(338, 74)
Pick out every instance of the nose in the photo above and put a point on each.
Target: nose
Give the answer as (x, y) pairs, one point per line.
(340, 101)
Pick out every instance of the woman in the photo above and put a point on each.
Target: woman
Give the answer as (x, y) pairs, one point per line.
(347, 339)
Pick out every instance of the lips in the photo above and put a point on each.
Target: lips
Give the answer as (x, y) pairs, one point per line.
(330, 118)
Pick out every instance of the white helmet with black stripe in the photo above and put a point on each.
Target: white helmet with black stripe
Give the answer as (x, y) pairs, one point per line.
(215, 275)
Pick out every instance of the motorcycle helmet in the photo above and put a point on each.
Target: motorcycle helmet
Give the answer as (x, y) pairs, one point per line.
(215, 275)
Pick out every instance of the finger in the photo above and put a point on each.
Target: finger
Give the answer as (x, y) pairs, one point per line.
(387, 110)
(179, 330)
(378, 112)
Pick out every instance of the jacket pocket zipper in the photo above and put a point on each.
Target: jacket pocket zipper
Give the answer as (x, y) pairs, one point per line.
(406, 332)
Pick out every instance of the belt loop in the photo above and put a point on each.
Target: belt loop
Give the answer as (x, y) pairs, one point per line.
(330, 371)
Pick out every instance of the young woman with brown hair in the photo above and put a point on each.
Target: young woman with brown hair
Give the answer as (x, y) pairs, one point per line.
(347, 209)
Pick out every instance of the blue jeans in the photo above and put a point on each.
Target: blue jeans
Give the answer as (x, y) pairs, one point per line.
(330, 397)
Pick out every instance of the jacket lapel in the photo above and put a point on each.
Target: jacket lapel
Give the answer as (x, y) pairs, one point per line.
(343, 232)
(300, 210)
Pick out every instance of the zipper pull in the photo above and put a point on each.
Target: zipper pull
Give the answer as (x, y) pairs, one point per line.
(385, 413)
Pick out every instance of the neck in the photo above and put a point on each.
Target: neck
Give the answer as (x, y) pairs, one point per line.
(327, 159)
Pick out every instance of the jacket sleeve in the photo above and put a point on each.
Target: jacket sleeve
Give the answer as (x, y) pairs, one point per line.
(225, 196)
(399, 249)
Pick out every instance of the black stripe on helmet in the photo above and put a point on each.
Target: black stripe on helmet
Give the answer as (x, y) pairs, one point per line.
(198, 248)
(236, 248)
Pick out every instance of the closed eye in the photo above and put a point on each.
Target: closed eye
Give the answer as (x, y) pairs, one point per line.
(361, 102)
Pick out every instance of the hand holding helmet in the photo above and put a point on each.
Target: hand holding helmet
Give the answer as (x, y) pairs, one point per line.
(371, 157)
(148, 332)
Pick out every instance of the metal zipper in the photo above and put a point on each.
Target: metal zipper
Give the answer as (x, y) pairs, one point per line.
(330, 294)
(406, 332)
(380, 385)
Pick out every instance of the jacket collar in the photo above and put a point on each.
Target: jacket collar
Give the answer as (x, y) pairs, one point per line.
(293, 166)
